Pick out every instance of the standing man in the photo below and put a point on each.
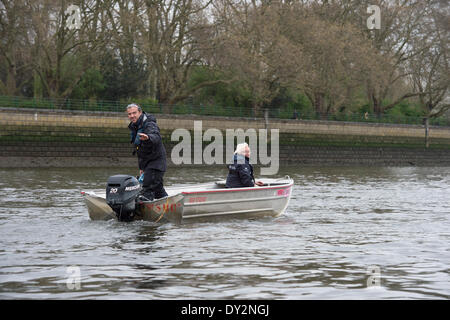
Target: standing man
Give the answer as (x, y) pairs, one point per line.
(150, 150)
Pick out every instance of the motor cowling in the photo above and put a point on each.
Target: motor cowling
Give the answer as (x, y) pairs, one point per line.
(121, 194)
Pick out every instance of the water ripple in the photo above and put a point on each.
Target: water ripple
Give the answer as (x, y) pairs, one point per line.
(342, 227)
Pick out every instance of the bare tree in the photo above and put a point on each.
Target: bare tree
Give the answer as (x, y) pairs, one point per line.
(173, 37)
(252, 47)
(393, 42)
(293, 44)
(15, 56)
(62, 54)
(337, 58)
(429, 70)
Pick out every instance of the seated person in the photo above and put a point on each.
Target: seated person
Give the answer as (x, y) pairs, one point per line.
(240, 173)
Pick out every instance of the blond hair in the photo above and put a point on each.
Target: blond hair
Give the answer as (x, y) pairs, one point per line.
(240, 148)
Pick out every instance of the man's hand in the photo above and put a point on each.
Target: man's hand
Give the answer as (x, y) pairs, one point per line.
(143, 136)
(259, 183)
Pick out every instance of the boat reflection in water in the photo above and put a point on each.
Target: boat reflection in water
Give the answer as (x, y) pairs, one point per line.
(203, 202)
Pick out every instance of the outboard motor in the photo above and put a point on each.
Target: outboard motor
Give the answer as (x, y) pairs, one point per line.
(121, 194)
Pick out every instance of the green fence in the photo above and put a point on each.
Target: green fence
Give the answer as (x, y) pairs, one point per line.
(119, 106)
(206, 110)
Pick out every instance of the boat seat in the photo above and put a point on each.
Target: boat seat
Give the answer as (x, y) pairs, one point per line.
(221, 184)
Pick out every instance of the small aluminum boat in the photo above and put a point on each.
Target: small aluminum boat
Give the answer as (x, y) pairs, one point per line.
(203, 202)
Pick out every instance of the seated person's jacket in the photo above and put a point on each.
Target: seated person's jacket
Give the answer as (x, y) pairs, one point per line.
(240, 173)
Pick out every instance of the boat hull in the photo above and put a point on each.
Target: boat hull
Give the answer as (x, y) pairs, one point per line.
(238, 202)
(165, 209)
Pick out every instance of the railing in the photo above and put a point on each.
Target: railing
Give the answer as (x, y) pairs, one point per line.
(119, 106)
(373, 118)
(208, 110)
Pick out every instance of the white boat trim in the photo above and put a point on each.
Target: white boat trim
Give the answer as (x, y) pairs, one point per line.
(239, 189)
(231, 201)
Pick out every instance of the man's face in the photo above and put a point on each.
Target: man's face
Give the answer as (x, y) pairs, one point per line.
(133, 114)
(247, 152)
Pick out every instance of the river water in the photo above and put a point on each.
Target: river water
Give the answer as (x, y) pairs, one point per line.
(348, 233)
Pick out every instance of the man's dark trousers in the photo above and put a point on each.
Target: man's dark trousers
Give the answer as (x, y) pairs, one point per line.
(153, 184)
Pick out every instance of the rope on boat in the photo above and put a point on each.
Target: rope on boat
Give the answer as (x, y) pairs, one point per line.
(164, 210)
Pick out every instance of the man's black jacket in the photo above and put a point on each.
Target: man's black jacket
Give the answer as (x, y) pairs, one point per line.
(240, 173)
(151, 153)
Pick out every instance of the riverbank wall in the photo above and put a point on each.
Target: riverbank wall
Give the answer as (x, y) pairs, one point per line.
(56, 138)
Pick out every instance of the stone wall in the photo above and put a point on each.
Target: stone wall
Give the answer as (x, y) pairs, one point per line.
(79, 155)
(82, 119)
(61, 138)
